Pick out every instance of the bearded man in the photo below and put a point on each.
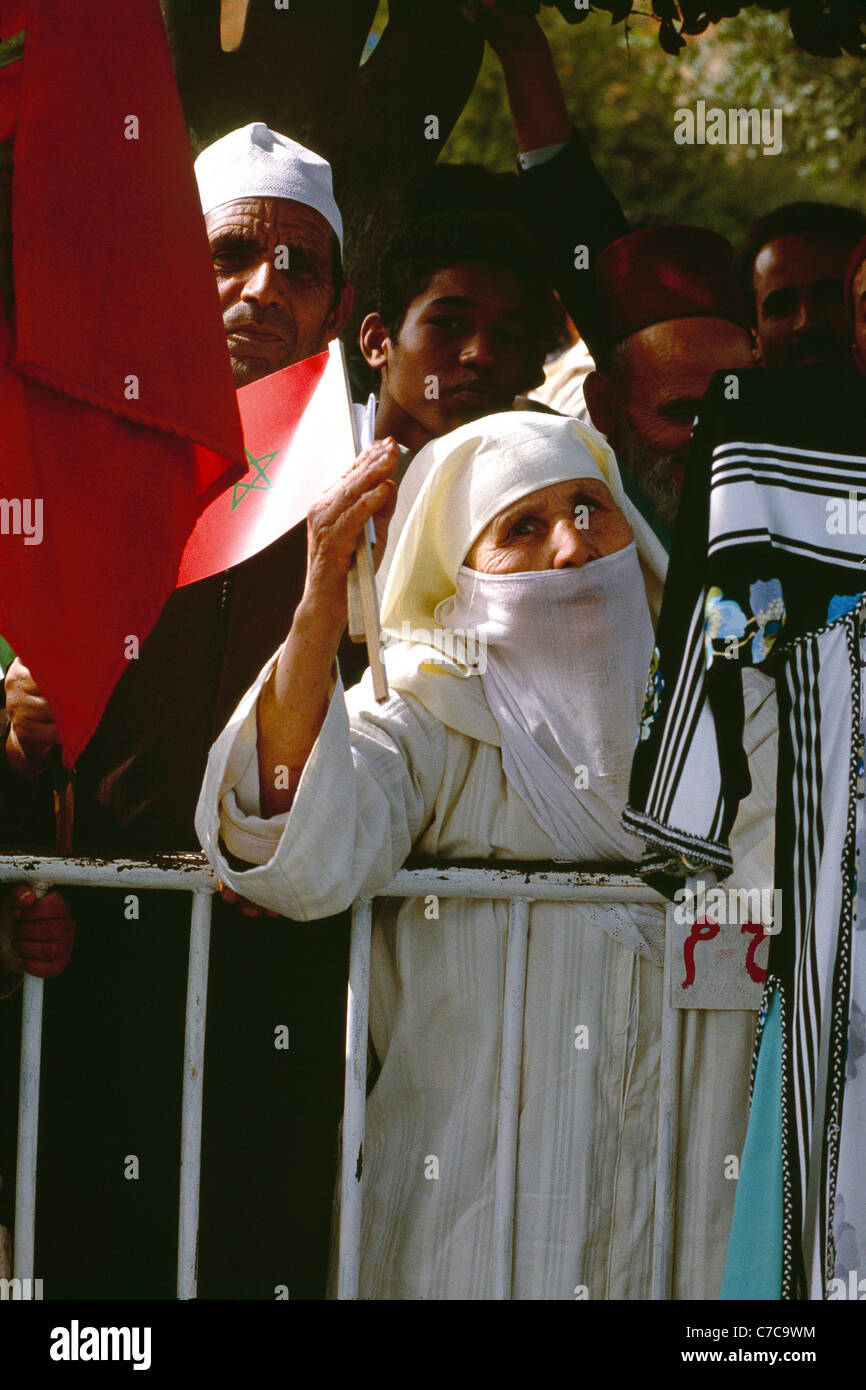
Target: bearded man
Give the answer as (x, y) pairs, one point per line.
(672, 316)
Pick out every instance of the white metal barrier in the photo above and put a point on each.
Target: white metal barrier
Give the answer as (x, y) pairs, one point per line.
(187, 873)
(520, 889)
(191, 873)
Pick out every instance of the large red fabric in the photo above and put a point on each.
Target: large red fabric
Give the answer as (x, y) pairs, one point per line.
(113, 224)
(117, 407)
(11, 23)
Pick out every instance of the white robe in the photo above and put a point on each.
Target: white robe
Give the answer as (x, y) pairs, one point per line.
(380, 780)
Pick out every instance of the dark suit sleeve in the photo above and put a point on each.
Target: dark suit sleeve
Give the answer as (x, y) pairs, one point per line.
(26, 807)
(568, 204)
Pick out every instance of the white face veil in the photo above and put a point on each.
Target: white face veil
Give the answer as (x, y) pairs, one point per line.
(551, 666)
(563, 657)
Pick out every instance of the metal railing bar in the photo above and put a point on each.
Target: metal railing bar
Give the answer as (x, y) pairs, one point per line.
(508, 1113)
(355, 1101)
(28, 1128)
(664, 1215)
(193, 1089)
(190, 872)
(511, 883)
(187, 873)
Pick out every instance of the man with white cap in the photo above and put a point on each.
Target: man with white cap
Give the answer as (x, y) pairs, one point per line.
(276, 236)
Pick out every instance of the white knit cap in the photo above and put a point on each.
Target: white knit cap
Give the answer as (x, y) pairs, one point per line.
(255, 162)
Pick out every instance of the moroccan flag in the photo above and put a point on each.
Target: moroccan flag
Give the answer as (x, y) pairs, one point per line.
(118, 414)
(299, 439)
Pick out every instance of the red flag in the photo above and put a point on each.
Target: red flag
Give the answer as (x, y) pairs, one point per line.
(298, 438)
(118, 416)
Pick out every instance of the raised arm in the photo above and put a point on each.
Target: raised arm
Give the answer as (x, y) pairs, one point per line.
(294, 701)
(538, 111)
(566, 201)
(362, 777)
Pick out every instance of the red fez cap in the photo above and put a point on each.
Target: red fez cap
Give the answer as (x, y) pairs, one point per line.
(858, 256)
(668, 272)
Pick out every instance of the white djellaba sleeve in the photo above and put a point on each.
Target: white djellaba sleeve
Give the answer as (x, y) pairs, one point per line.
(366, 793)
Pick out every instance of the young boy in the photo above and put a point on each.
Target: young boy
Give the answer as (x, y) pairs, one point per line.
(462, 324)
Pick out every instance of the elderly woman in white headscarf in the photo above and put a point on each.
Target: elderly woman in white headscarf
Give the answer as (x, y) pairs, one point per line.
(517, 601)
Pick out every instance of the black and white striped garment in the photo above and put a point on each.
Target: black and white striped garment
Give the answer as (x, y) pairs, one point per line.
(768, 566)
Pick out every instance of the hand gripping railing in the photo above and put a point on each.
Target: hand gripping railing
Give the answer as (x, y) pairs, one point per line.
(190, 873)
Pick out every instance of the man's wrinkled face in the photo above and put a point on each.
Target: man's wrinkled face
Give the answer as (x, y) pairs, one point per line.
(469, 344)
(801, 316)
(274, 313)
(664, 374)
(858, 296)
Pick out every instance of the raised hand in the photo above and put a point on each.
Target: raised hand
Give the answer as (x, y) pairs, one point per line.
(32, 732)
(336, 520)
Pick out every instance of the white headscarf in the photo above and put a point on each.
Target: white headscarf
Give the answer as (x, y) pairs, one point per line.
(557, 666)
(453, 487)
(566, 652)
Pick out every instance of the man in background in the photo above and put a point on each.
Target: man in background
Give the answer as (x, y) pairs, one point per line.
(671, 315)
(792, 269)
(855, 301)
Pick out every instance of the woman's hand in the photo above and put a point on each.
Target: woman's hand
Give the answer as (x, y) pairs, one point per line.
(249, 909)
(336, 521)
(293, 703)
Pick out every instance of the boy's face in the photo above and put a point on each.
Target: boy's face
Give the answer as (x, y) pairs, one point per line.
(467, 346)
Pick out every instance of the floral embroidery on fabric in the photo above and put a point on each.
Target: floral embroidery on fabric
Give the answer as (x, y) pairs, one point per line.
(768, 606)
(840, 604)
(723, 620)
(652, 698)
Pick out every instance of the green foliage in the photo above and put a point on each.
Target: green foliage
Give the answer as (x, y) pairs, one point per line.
(824, 28)
(622, 92)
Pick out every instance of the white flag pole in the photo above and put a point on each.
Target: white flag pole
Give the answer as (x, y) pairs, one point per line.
(363, 599)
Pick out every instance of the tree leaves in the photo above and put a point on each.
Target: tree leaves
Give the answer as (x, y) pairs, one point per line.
(618, 9)
(695, 26)
(825, 28)
(669, 38)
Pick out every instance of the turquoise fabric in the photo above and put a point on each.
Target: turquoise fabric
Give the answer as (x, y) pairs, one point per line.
(754, 1264)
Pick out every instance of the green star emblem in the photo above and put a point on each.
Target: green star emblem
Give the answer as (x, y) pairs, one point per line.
(259, 482)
